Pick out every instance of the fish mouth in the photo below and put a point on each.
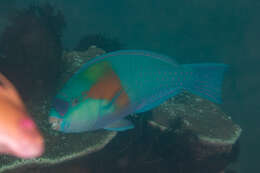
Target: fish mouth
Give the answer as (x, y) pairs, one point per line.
(55, 123)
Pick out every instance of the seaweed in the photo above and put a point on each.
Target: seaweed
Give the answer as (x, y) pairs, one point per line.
(31, 49)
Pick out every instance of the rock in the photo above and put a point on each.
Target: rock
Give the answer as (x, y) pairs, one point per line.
(200, 116)
(210, 135)
(186, 134)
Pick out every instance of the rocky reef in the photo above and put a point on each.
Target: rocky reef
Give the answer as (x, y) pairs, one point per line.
(209, 136)
(186, 134)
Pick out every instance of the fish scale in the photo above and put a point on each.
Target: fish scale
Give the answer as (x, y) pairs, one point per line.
(151, 69)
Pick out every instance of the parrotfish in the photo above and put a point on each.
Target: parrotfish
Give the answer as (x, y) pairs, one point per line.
(19, 135)
(105, 90)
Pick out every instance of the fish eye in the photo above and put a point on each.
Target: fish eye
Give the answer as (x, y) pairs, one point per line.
(61, 106)
(75, 102)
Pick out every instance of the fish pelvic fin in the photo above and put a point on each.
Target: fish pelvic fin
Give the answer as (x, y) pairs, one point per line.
(207, 80)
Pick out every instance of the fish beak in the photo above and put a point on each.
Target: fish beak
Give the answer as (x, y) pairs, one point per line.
(55, 123)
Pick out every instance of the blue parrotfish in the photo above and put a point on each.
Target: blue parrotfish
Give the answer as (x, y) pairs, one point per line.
(105, 90)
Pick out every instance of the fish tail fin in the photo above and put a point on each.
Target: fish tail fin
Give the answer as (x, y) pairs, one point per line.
(207, 80)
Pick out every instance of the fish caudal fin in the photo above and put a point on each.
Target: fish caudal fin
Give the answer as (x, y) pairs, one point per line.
(207, 80)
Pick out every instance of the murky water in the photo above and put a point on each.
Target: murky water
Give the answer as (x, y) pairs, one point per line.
(190, 32)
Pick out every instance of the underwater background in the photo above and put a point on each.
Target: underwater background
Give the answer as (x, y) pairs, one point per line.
(189, 31)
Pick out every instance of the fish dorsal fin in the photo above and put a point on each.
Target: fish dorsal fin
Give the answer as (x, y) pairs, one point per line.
(158, 56)
(8, 90)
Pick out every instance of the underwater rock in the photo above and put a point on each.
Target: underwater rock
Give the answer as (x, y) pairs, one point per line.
(211, 136)
(198, 115)
(186, 134)
(59, 146)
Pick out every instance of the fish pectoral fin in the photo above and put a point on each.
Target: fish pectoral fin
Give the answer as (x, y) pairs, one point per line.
(120, 125)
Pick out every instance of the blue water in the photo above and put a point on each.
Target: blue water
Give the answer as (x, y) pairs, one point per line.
(192, 32)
